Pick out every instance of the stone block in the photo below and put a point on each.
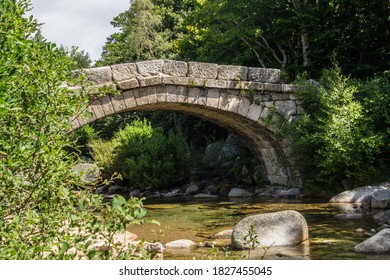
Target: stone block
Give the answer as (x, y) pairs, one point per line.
(107, 107)
(128, 84)
(97, 109)
(129, 98)
(244, 106)
(212, 98)
(197, 96)
(118, 103)
(272, 87)
(177, 94)
(150, 67)
(223, 103)
(146, 96)
(150, 81)
(231, 72)
(99, 75)
(254, 112)
(234, 103)
(288, 88)
(175, 68)
(182, 81)
(215, 84)
(122, 72)
(161, 93)
(264, 75)
(74, 123)
(202, 70)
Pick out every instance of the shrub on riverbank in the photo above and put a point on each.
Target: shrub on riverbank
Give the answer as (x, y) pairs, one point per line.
(339, 140)
(143, 155)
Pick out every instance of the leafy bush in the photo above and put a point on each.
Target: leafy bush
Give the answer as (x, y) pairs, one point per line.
(335, 143)
(42, 213)
(143, 155)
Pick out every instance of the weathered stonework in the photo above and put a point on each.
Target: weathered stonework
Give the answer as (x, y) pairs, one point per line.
(249, 101)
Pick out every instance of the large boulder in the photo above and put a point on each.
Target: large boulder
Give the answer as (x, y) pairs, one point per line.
(377, 244)
(358, 195)
(381, 199)
(271, 229)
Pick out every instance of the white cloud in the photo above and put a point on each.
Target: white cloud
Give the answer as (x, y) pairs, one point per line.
(81, 23)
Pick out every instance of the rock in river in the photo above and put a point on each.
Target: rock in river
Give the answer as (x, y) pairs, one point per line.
(358, 195)
(271, 229)
(380, 199)
(377, 244)
(238, 192)
(180, 244)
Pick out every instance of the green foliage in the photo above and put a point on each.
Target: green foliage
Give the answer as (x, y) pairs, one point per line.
(43, 215)
(335, 142)
(143, 155)
(299, 36)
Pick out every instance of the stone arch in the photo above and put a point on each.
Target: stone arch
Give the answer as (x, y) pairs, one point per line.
(251, 102)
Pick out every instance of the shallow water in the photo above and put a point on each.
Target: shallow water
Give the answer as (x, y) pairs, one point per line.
(198, 220)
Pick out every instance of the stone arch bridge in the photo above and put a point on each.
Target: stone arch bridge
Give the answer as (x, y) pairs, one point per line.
(251, 102)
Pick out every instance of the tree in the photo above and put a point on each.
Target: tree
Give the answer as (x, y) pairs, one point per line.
(335, 141)
(43, 212)
(297, 35)
(141, 37)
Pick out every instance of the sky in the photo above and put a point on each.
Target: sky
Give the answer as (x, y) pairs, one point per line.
(81, 23)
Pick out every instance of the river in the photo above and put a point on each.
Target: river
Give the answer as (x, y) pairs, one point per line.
(330, 238)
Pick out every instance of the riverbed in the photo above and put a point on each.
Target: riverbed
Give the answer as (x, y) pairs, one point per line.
(330, 238)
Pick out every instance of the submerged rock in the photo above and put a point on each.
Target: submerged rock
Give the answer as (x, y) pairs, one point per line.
(271, 229)
(377, 244)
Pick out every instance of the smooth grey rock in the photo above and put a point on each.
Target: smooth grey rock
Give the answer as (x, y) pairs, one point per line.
(225, 234)
(212, 153)
(357, 195)
(380, 199)
(272, 229)
(238, 192)
(286, 108)
(383, 217)
(116, 189)
(181, 244)
(192, 189)
(89, 173)
(377, 244)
